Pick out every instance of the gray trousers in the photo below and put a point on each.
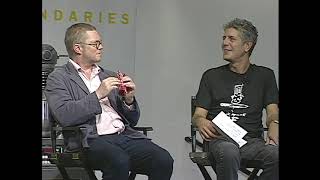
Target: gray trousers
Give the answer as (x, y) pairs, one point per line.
(227, 156)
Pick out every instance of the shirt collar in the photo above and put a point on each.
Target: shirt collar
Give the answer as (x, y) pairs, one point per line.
(96, 68)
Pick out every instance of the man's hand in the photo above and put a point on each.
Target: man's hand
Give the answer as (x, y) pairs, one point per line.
(106, 86)
(131, 87)
(205, 126)
(272, 124)
(273, 134)
(206, 129)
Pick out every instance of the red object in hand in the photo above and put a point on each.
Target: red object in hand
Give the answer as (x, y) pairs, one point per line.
(123, 89)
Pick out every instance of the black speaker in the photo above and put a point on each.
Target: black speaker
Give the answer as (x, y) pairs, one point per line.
(49, 60)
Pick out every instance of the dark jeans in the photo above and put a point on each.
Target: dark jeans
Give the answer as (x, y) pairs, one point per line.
(115, 155)
(228, 155)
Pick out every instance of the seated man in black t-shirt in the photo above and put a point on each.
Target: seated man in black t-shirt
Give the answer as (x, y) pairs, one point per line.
(241, 90)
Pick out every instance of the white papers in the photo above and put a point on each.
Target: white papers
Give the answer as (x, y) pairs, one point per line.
(231, 129)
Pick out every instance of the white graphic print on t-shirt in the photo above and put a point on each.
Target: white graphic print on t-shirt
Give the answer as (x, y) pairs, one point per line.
(236, 99)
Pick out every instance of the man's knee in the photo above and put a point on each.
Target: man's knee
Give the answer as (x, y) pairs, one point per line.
(273, 156)
(163, 159)
(226, 152)
(114, 168)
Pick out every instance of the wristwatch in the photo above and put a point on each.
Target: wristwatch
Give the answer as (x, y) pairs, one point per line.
(276, 121)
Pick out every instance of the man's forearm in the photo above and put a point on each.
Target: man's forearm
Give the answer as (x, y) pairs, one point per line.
(274, 118)
(197, 118)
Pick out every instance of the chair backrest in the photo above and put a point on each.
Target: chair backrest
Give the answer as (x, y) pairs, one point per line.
(204, 145)
(193, 106)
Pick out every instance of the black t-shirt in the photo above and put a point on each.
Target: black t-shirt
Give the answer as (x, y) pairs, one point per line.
(241, 96)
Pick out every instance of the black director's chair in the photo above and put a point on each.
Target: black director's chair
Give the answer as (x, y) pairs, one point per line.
(204, 158)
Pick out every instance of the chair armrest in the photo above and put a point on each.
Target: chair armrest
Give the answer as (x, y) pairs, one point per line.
(58, 141)
(143, 129)
(201, 158)
(245, 163)
(66, 128)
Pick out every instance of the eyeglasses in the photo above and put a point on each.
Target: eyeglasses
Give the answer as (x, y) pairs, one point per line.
(96, 44)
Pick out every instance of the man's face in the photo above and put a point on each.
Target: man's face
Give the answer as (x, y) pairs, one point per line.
(92, 47)
(233, 47)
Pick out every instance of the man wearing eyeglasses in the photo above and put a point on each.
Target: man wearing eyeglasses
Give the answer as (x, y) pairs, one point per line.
(83, 94)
